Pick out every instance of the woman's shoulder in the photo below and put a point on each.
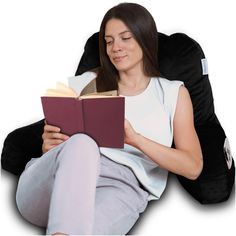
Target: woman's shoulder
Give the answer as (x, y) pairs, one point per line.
(171, 90)
(167, 86)
(166, 82)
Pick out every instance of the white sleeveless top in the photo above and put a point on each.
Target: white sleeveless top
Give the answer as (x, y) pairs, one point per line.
(151, 114)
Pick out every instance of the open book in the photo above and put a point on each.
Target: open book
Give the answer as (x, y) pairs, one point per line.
(99, 115)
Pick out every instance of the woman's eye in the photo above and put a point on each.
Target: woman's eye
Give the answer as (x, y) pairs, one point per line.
(108, 42)
(126, 38)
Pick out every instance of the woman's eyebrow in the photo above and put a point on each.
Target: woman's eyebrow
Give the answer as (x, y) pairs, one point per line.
(123, 32)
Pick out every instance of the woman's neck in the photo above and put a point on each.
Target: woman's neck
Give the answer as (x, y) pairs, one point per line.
(132, 83)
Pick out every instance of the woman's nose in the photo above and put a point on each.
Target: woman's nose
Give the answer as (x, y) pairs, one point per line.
(116, 46)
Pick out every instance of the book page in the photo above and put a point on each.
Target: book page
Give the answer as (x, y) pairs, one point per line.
(61, 90)
(76, 85)
(112, 93)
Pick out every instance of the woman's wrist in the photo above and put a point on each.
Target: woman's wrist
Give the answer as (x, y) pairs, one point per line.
(137, 140)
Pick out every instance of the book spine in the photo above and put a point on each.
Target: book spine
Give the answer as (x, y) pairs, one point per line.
(80, 116)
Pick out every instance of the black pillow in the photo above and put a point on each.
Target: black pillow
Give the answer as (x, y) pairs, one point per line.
(20, 146)
(217, 178)
(181, 58)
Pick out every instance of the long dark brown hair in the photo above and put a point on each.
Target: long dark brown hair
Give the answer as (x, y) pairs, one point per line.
(142, 25)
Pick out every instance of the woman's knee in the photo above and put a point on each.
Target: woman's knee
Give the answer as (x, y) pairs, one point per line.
(82, 140)
(80, 148)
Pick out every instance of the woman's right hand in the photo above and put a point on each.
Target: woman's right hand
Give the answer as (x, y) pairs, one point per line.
(52, 137)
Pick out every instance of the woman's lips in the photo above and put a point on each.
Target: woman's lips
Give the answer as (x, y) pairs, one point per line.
(118, 59)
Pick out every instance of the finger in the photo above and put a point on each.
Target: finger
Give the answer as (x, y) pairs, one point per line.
(58, 136)
(50, 142)
(51, 128)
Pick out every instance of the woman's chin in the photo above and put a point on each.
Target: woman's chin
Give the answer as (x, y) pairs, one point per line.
(121, 67)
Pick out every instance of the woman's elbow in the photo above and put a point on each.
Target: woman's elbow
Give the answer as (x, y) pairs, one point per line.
(197, 169)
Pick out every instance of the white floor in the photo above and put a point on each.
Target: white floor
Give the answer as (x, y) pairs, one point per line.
(175, 214)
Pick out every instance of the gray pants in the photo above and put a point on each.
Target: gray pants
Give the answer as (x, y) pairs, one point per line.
(73, 189)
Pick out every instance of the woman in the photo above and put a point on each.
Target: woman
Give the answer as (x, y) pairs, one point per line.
(78, 188)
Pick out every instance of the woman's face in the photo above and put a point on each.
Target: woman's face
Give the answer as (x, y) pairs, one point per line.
(121, 46)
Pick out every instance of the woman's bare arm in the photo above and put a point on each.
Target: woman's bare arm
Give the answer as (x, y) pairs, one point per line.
(186, 158)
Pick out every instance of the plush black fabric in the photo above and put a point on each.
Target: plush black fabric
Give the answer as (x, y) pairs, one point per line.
(179, 59)
(216, 180)
(90, 57)
(20, 146)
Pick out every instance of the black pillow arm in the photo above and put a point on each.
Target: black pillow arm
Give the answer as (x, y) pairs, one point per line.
(20, 146)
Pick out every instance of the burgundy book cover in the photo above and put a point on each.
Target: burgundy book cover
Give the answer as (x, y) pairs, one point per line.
(100, 118)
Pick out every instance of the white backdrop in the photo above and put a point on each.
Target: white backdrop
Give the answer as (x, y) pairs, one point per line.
(42, 41)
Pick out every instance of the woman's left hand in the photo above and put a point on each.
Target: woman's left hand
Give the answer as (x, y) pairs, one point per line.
(131, 135)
